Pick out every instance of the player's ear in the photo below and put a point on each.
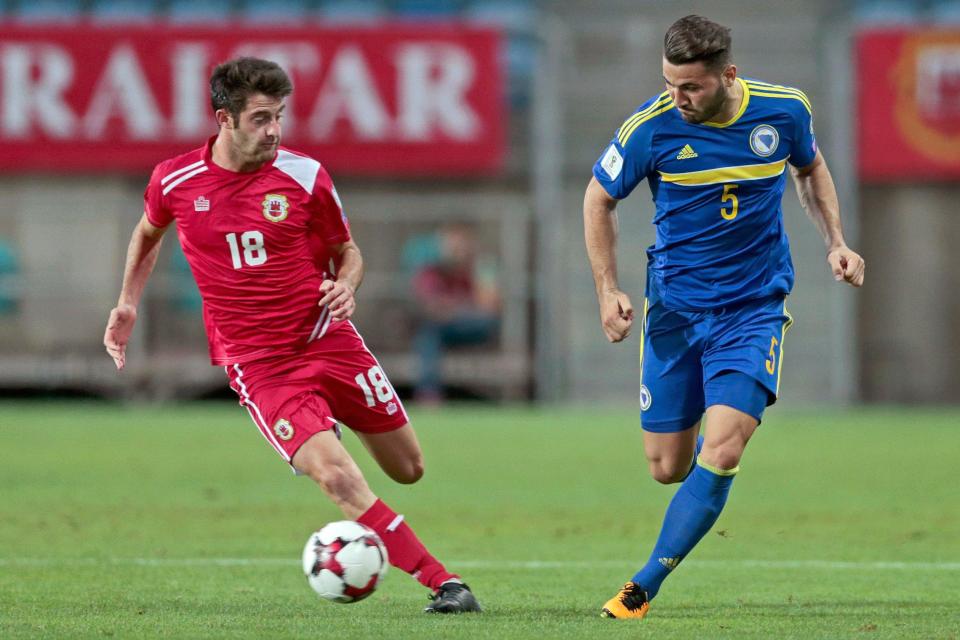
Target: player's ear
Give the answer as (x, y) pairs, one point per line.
(729, 75)
(224, 119)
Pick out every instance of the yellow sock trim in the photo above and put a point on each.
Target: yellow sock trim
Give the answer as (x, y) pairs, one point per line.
(717, 470)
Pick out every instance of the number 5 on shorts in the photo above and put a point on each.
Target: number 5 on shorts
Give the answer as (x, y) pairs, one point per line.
(377, 384)
(772, 361)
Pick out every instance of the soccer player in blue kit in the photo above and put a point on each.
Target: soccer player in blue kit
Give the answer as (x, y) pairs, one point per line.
(715, 149)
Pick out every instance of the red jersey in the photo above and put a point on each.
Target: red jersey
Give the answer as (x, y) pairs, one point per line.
(255, 243)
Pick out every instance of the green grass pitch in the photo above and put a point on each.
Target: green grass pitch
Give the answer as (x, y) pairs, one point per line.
(180, 522)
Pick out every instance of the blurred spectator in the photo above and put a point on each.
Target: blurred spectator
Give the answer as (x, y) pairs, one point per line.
(458, 304)
(9, 276)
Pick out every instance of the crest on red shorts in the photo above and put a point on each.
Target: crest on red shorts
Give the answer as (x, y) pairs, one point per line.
(275, 207)
(283, 429)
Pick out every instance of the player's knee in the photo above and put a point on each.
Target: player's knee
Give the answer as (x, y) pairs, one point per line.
(668, 471)
(414, 471)
(409, 472)
(722, 457)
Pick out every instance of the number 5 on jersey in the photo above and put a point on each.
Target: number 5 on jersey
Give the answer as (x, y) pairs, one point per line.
(254, 253)
(731, 197)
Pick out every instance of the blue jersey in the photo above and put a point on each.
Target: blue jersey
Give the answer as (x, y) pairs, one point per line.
(717, 189)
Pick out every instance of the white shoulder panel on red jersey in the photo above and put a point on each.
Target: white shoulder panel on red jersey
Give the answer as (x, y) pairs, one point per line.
(300, 168)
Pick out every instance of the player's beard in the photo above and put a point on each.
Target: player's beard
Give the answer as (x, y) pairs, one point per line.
(711, 109)
(257, 151)
(266, 153)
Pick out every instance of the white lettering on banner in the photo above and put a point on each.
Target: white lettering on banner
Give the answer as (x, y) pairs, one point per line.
(123, 86)
(191, 90)
(27, 95)
(381, 101)
(349, 92)
(434, 79)
(296, 58)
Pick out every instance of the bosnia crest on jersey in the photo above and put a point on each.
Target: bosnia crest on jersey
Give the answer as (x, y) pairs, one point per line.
(275, 207)
(764, 140)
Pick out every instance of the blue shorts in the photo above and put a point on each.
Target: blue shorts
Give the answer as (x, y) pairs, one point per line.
(691, 360)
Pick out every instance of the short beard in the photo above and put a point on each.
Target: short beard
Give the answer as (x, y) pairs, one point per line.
(712, 109)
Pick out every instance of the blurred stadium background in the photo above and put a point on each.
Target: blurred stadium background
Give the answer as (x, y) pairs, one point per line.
(89, 101)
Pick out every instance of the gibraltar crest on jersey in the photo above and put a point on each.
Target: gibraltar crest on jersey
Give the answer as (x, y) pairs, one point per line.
(275, 207)
(764, 140)
(283, 429)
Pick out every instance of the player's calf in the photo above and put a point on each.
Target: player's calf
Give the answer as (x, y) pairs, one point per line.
(398, 453)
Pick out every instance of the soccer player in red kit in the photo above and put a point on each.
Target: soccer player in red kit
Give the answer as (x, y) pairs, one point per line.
(259, 225)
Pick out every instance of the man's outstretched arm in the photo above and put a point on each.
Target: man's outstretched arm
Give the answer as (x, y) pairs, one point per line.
(818, 196)
(141, 258)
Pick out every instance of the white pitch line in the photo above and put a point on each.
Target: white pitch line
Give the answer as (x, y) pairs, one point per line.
(532, 565)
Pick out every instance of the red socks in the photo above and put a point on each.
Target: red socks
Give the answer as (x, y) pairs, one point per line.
(404, 548)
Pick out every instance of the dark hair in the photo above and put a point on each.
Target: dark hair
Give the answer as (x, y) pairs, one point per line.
(696, 39)
(236, 80)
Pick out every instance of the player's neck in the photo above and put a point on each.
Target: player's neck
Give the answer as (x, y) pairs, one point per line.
(731, 106)
(225, 156)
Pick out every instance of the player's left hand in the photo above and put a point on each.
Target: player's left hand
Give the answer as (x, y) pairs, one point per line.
(847, 265)
(338, 296)
(117, 335)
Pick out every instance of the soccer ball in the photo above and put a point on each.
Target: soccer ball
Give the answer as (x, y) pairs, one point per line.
(344, 561)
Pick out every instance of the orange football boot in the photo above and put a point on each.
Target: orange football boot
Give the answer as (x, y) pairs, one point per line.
(631, 602)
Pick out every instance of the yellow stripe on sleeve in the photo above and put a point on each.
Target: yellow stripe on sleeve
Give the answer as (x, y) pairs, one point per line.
(780, 87)
(645, 111)
(666, 106)
(635, 119)
(771, 91)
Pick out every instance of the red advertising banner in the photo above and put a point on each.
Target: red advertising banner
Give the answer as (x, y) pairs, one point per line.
(908, 86)
(391, 100)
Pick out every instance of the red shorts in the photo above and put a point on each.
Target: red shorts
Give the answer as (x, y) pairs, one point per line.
(335, 379)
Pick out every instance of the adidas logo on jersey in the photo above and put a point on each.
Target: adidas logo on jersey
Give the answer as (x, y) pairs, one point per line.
(686, 153)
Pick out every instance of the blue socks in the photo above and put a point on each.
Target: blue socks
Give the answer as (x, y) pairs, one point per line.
(692, 511)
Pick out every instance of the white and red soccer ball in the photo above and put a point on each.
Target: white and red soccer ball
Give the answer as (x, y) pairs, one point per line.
(344, 561)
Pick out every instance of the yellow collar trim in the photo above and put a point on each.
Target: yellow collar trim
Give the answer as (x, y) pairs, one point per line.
(743, 107)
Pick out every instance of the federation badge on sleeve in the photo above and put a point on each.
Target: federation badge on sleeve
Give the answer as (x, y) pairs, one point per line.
(275, 207)
(283, 429)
